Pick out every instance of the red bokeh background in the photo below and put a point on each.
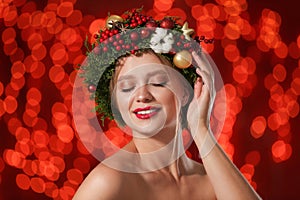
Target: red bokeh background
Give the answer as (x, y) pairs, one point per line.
(257, 51)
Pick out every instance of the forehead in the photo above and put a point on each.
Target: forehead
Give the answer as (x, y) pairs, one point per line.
(145, 63)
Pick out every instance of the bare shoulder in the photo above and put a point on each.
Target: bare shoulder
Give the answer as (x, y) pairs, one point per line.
(102, 183)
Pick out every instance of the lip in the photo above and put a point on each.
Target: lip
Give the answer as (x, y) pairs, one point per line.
(146, 112)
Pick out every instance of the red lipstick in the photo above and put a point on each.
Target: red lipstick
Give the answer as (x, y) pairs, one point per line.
(146, 112)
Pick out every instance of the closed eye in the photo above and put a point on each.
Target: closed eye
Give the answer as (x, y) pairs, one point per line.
(158, 84)
(127, 89)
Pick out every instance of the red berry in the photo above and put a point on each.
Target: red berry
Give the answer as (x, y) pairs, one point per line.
(115, 43)
(96, 50)
(111, 34)
(111, 39)
(92, 88)
(121, 41)
(115, 31)
(118, 48)
(133, 25)
(105, 49)
(125, 16)
(134, 36)
(186, 45)
(96, 36)
(167, 23)
(182, 37)
(151, 24)
(178, 43)
(144, 33)
(118, 36)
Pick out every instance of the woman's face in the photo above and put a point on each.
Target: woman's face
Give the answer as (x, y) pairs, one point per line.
(148, 95)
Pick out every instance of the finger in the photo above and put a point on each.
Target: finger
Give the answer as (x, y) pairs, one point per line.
(198, 87)
(202, 62)
(206, 78)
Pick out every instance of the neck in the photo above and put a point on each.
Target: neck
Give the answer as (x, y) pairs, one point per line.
(156, 142)
(162, 152)
(165, 151)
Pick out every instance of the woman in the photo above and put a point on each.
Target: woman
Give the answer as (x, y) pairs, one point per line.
(153, 100)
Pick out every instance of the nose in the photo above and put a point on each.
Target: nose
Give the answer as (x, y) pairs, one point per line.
(143, 95)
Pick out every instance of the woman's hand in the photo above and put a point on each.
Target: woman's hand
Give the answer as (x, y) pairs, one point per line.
(200, 108)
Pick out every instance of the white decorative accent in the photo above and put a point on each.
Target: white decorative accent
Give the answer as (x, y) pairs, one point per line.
(161, 41)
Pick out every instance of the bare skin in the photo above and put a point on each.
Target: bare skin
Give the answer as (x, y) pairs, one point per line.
(106, 183)
(217, 178)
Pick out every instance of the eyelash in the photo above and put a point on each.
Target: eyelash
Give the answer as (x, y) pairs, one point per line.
(159, 84)
(153, 84)
(127, 90)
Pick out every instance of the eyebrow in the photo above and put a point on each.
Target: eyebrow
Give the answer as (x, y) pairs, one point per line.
(125, 77)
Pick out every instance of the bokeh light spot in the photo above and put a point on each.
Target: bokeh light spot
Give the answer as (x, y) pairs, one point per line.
(40, 138)
(82, 164)
(281, 151)
(65, 9)
(37, 184)
(11, 104)
(281, 50)
(258, 126)
(18, 69)
(75, 176)
(39, 51)
(8, 35)
(33, 96)
(56, 74)
(253, 157)
(295, 85)
(279, 72)
(75, 18)
(65, 133)
(231, 53)
(23, 181)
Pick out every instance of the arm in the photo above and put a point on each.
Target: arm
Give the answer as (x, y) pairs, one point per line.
(226, 179)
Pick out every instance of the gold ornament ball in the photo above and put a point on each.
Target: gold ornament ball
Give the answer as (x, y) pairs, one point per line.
(182, 59)
(113, 18)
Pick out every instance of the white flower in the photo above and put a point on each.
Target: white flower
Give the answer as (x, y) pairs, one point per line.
(161, 41)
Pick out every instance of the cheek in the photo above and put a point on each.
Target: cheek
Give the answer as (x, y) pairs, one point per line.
(123, 102)
(169, 100)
